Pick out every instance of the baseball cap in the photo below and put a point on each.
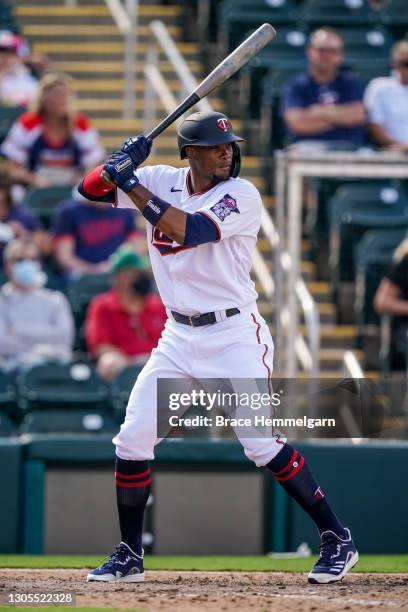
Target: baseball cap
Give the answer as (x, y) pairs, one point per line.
(124, 258)
(8, 41)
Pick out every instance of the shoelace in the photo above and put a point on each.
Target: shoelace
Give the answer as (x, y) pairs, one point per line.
(120, 554)
(328, 548)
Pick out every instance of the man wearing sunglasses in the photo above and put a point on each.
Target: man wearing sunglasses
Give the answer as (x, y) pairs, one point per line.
(386, 100)
(324, 103)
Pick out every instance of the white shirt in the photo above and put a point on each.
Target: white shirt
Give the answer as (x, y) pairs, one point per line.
(17, 86)
(386, 100)
(211, 276)
(31, 320)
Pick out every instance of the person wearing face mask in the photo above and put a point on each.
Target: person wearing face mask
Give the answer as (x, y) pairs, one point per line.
(386, 100)
(124, 325)
(36, 324)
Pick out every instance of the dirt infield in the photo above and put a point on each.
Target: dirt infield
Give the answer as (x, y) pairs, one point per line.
(217, 591)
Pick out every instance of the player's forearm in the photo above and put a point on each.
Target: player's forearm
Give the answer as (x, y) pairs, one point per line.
(173, 221)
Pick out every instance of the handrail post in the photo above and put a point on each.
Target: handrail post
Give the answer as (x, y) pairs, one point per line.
(129, 58)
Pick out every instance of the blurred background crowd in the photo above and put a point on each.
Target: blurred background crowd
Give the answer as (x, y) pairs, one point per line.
(75, 280)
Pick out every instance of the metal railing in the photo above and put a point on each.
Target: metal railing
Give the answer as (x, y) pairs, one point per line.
(291, 167)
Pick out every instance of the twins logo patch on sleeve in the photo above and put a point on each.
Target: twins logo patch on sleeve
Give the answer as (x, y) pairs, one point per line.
(225, 207)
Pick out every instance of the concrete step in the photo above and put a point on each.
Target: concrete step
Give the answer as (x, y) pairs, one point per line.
(336, 336)
(332, 358)
(108, 49)
(104, 32)
(101, 69)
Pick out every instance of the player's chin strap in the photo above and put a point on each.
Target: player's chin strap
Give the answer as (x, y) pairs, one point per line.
(236, 160)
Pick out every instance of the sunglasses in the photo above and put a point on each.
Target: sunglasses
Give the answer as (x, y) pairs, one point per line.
(18, 259)
(403, 63)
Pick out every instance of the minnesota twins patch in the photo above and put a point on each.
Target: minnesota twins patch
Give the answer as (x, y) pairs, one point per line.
(225, 207)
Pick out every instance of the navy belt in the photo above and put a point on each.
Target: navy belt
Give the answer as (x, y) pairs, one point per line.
(204, 319)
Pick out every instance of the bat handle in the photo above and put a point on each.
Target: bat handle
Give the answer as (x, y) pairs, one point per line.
(105, 176)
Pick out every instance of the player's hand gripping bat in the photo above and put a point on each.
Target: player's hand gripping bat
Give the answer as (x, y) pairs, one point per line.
(231, 64)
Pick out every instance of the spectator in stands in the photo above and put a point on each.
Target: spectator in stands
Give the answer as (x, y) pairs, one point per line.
(35, 323)
(392, 299)
(86, 234)
(17, 85)
(124, 325)
(18, 221)
(386, 100)
(52, 144)
(324, 103)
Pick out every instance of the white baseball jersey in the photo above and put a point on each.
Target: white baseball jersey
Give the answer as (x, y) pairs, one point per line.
(212, 276)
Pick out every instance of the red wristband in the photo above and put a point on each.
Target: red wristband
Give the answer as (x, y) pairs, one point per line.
(94, 185)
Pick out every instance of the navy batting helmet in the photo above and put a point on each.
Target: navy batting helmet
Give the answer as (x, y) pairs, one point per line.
(207, 129)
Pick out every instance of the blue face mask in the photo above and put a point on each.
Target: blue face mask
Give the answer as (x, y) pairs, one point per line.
(27, 273)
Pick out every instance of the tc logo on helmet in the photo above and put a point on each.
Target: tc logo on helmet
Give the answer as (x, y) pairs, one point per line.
(223, 124)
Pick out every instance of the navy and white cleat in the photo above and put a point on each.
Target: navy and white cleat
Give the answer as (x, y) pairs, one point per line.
(337, 557)
(123, 565)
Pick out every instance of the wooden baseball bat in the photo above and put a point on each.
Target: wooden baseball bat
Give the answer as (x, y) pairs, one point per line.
(231, 64)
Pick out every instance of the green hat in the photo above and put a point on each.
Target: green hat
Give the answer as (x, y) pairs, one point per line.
(123, 258)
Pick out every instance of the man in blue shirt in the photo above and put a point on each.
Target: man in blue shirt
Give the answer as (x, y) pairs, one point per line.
(325, 103)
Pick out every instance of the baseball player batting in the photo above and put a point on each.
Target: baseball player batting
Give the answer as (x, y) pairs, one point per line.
(202, 227)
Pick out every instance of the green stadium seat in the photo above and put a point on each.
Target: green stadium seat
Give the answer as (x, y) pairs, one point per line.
(67, 421)
(8, 392)
(44, 200)
(366, 47)
(355, 210)
(395, 16)
(7, 427)
(373, 257)
(81, 291)
(236, 17)
(337, 13)
(8, 115)
(62, 386)
(122, 385)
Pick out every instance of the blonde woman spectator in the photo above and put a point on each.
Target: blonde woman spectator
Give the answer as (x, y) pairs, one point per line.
(52, 144)
(36, 324)
(17, 86)
(386, 100)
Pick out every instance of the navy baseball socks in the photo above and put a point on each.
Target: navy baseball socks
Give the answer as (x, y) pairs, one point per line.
(338, 553)
(133, 479)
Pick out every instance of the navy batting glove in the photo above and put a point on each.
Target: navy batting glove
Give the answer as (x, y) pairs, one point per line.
(121, 170)
(138, 148)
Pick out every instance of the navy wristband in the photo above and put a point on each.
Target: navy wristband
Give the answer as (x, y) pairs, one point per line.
(154, 210)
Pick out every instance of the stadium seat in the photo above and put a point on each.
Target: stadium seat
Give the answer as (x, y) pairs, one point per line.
(62, 386)
(337, 13)
(395, 16)
(366, 47)
(8, 392)
(373, 257)
(67, 421)
(236, 17)
(8, 115)
(285, 56)
(7, 427)
(355, 210)
(44, 199)
(82, 290)
(122, 386)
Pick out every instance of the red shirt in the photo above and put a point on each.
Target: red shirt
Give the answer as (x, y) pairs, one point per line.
(108, 322)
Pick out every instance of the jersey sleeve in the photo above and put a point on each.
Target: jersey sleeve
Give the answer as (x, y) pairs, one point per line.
(236, 212)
